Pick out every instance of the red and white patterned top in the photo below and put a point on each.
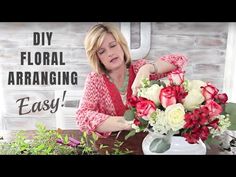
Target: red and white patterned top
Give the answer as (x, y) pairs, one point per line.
(102, 99)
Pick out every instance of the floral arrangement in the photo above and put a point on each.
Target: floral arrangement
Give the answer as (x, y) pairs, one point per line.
(191, 108)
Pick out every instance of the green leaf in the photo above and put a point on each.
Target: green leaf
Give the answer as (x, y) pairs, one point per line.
(143, 122)
(145, 82)
(102, 146)
(91, 141)
(131, 133)
(230, 108)
(129, 115)
(85, 135)
(66, 139)
(212, 141)
(40, 147)
(118, 143)
(159, 145)
(95, 137)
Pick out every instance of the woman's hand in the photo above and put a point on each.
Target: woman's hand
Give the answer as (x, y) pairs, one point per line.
(158, 67)
(143, 72)
(113, 124)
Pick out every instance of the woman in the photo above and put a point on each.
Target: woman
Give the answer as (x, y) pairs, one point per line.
(115, 78)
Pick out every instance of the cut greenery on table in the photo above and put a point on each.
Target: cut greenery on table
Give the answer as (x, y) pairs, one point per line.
(51, 142)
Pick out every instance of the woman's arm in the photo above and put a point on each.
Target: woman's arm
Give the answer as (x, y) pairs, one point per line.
(88, 116)
(163, 65)
(114, 123)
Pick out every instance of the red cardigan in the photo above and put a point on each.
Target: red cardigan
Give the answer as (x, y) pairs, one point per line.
(102, 99)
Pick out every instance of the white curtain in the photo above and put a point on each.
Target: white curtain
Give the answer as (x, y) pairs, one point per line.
(230, 64)
(229, 86)
(1, 100)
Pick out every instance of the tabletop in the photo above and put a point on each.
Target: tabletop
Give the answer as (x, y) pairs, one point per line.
(133, 143)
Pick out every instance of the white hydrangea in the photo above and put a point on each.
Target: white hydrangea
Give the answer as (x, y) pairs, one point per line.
(224, 123)
(159, 122)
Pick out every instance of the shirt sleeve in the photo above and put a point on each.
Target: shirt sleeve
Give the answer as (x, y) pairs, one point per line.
(138, 64)
(179, 60)
(88, 117)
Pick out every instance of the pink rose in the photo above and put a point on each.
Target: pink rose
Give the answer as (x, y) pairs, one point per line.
(133, 100)
(145, 108)
(176, 77)
(214, 108)
(167, 96)
(209, 91)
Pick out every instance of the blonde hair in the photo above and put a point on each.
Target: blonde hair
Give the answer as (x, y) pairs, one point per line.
(94, 39)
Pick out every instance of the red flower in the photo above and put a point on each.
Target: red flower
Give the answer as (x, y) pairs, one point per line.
(214, 123)
(197, 133)
(204, 115)
(222, 98)
(209, 91)
(191, 138)
(176, 77)
(167, 96)
(214, 108)
(137, 122)
(133, 100)
(190, 120)
(204, 132)
(180, 93)
(145, 108)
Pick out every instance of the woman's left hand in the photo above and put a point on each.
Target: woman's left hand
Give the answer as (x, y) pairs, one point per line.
(143, 72)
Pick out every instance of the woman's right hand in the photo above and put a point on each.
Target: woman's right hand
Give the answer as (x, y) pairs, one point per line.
(143, 72)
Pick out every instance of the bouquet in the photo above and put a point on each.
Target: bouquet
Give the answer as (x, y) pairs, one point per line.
(191, 108)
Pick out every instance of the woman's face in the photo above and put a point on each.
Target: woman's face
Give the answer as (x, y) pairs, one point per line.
(110, 53)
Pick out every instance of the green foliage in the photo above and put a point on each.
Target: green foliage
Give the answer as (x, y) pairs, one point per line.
(230, 108)
(158, 82)
(87, 146)
(131, 133)
(145, 83)
(117, 149)
(44, 142)
(129, 115)
(159, 145)
(186, 85)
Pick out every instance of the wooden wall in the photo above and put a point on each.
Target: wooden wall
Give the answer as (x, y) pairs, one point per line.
(203, 43)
